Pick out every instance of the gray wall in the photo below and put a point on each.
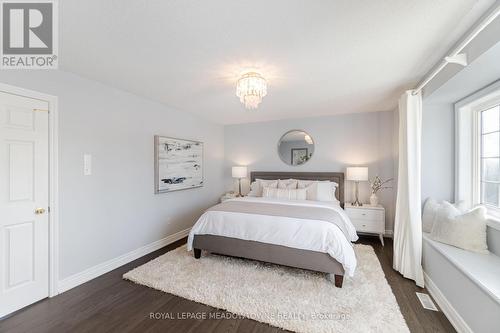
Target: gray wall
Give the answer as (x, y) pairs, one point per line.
(438, 151)
(340, 141)
(115, 210)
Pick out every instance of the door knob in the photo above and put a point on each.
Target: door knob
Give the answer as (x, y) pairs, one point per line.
(39, 211)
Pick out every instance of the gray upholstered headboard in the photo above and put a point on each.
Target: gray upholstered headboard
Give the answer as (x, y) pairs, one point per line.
(337, 177)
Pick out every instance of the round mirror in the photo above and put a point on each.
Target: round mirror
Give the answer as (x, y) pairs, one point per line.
(295, 147)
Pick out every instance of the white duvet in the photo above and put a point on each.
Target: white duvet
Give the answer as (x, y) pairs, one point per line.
(314, 235)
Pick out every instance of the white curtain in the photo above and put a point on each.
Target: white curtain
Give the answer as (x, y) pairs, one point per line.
(408, 221)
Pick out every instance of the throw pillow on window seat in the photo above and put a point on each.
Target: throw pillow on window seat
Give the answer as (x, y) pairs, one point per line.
(466, 231)
(431, 209)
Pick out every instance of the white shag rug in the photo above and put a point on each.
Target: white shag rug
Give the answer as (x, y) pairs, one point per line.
(293, 299)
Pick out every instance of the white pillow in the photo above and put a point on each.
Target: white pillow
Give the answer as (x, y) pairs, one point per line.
(287, 183)
(285, 193)
(325, 191)
(466, 231)
(319, 190)
(431, 208)
(258, 184)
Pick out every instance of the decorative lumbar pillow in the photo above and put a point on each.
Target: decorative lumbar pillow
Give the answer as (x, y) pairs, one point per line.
(257, 186)
(284, 193)
(431, 209)
(287, 183)
(466, 231)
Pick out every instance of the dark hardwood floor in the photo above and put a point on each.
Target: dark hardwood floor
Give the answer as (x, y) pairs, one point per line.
(111, 304)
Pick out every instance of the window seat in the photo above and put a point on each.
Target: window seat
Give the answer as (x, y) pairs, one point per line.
(482, 269)
(466, 285)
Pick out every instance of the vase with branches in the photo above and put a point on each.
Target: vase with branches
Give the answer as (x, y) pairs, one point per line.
(377, 185)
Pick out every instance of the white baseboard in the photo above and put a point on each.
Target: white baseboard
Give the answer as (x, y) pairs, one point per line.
(449, 311)
(105, 267)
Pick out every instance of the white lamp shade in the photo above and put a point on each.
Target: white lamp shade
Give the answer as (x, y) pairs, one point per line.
(358, 174)
(239, 171)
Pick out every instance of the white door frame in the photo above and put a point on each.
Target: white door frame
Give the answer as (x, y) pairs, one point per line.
(53, 179)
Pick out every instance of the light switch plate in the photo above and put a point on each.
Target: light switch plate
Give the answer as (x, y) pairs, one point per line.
(87, 164)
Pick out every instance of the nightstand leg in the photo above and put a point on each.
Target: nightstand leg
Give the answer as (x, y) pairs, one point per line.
(381, 236)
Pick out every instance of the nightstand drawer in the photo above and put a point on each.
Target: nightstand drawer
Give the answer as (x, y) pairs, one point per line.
(365, 214)
(368, 225)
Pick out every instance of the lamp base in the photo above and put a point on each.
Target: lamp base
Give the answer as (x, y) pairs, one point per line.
(356, 202)
(239, 189)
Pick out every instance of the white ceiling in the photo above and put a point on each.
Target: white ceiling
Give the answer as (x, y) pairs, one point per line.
(320, 57)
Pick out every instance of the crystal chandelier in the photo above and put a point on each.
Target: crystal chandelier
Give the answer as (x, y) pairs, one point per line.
(251, 88)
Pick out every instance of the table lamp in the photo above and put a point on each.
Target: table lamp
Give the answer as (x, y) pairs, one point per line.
(357, 174)
(239, 172)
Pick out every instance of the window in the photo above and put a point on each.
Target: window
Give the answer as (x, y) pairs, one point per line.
(477, 149)
(489, 156)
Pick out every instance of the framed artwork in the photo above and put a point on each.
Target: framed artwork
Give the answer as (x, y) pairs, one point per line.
(178, 164)
(299, 156)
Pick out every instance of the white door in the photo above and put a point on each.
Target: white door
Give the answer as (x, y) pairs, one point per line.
(24, 181)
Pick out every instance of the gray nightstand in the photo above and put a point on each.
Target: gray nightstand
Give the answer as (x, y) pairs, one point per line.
(367, 219)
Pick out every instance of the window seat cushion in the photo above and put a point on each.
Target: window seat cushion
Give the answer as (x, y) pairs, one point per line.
(482, 269)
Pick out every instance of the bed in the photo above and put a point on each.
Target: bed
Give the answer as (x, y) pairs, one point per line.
(297, 233)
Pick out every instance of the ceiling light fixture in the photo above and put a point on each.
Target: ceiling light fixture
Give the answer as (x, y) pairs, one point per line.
(251, 88)
(308, 139)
